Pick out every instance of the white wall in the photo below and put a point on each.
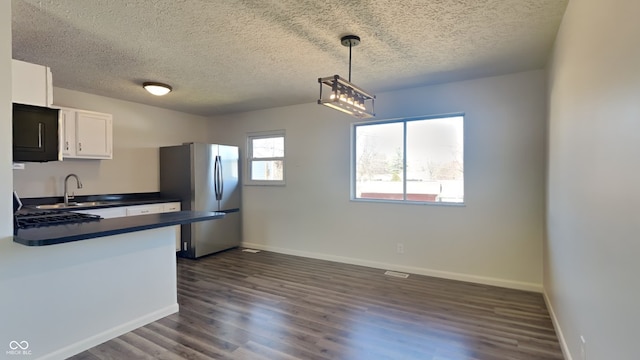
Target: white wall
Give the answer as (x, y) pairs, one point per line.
(591, 256)
(496, 238)
(6, 182)
(138, 132)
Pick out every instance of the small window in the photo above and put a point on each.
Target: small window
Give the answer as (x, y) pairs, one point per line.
(418, 160)
(265, 162)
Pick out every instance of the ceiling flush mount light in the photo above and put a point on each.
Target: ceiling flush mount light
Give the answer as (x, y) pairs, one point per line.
(343, 95)
(157, 89)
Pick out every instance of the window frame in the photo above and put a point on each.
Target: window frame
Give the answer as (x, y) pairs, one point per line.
(265, 135)
(353, 162)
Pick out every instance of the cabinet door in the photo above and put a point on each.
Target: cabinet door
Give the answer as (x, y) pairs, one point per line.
(144, 209)
(31, 84)
(171, 207)
(94, 135)
(106, 213)
(35, 133)
(67, 132)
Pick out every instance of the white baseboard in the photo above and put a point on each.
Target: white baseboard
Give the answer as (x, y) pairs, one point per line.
(109, 334)
(556, 325)
(518, 285)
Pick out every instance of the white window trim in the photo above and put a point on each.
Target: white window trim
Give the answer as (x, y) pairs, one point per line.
(265, 134)
(352, 164)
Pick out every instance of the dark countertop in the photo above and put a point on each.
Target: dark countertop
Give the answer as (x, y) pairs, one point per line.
(59, 234)
(114, 200)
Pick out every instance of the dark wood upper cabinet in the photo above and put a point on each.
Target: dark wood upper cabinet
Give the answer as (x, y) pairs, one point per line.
(35, 133)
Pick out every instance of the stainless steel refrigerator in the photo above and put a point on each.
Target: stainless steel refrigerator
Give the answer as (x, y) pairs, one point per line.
(205, 177)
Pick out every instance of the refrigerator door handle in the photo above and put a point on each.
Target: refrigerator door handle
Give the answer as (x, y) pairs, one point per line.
(215, 177)
(218, 178)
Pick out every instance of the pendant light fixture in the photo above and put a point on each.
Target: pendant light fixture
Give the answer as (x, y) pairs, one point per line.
(156, 88)
(342, 94)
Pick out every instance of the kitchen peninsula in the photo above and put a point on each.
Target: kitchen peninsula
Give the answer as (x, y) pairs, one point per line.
(94, 281)
(51, 235)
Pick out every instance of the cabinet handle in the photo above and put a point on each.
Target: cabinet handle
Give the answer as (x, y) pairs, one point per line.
(66, 145)
(79, 146)
(39, 135)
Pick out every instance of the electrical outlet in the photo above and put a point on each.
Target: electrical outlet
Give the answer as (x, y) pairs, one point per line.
(400, 248)
(583, 348)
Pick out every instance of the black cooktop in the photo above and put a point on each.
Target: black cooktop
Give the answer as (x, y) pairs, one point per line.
(49, 218)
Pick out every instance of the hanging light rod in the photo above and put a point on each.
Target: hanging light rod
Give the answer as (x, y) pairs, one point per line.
(344, 95)
(156, 88)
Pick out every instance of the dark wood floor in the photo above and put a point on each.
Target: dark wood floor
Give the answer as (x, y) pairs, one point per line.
(238, 305)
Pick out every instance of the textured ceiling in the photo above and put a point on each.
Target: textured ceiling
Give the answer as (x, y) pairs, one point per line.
(225, 56)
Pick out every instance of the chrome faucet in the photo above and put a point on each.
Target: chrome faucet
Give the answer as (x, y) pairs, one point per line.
(66, 192)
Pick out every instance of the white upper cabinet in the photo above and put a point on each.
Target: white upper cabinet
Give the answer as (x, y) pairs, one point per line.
(94, 135)
(31, 84)
(67, 132)
(86, 134)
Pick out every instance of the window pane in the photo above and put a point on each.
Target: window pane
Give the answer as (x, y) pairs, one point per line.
(435, 160)
(267, 170)
(379, 161)
(268, 147)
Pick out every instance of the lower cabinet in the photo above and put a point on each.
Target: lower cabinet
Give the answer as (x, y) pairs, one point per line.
(122, 211)
(172, 207)
(106, 213)
(144, 209)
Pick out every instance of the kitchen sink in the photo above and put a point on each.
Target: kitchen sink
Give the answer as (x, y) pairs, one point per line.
(72, 205)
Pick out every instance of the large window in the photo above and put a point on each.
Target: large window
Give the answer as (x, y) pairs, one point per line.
(409, 160)
(265, 158)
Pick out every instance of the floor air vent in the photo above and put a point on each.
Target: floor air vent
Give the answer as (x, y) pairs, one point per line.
(396, 274)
